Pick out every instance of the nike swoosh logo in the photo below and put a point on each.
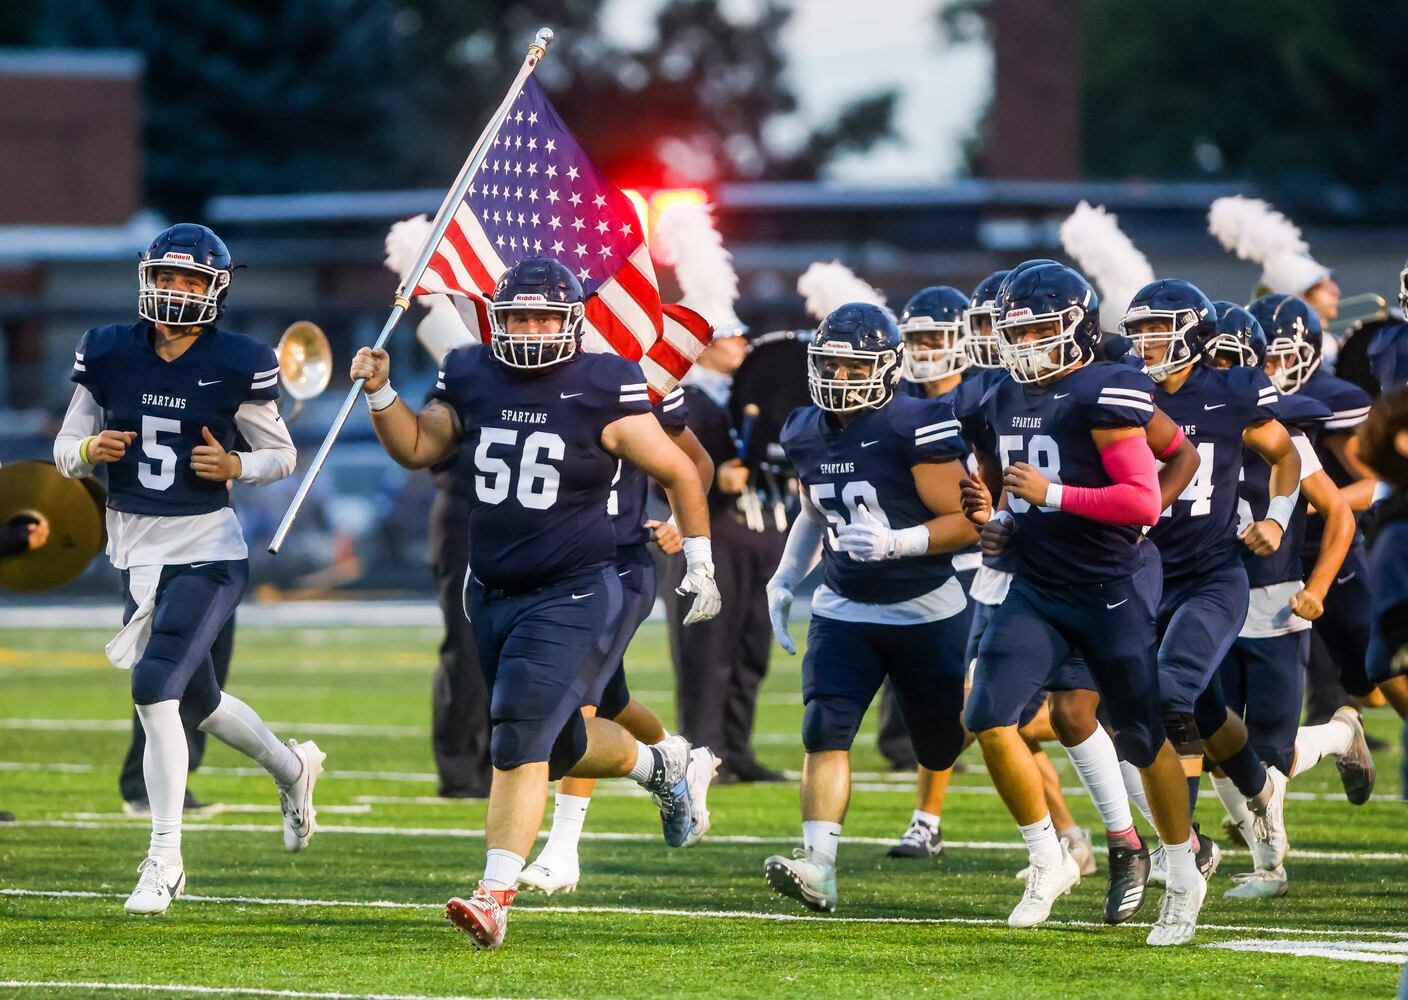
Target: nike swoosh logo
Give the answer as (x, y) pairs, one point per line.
(1213, 406)
(867, 444)
(1060, 395)
(625, 572)
(578, 597)
(1112, 607)
(568, 395)
(1347, 577)
(199, 565)
(203, 384)
(171, 889)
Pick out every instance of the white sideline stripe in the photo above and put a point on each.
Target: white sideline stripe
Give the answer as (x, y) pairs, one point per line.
(1386, 952)
(123, 725)
(524, 908)
(222, 808)
(244, 991)
(737, 838)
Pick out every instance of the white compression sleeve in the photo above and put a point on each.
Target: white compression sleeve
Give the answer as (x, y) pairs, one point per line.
(83, 419)
(273, 456)
(1099, 769)
(164, 765)
(803, 547)
(240, 726)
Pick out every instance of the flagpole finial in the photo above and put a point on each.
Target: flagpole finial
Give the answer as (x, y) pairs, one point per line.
(541, 41)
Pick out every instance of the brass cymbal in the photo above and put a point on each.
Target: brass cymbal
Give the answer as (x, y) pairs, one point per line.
(74, 509)
(305, 360)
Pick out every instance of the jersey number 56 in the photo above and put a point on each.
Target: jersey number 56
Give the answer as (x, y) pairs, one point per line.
(537, 481)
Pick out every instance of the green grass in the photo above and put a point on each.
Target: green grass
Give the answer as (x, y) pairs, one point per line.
(930, 929)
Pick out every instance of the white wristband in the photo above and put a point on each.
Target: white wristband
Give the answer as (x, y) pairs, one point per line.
(1053, 496)
(381, 399)
(907, 543)
(1280, 510)
(697, 549)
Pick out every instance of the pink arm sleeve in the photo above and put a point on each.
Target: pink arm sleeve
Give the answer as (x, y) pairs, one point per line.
(1133, 497)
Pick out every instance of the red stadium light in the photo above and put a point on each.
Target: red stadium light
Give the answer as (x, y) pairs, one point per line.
(642, 210)
(649, 208)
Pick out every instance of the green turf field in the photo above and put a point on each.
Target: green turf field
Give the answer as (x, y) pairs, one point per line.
(359, 913)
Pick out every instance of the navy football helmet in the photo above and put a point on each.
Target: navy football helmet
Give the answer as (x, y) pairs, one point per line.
(185, 247)
(981, 341)
(1038, 294)
(1239, 339)
(932, 327)
(1171, 320)
(539, 285)
(1294, 339)
(853, 335)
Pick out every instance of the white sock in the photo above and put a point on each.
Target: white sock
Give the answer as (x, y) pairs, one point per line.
(1315, 743)
(1134, 788)
(501, 869)
(164, 765)
(1233, 800)
(240, 726)
(821, 840)
(1100, 772)
(1042, 845)
(568, 814)
(1182, 863)
(928, 819)
(645, 763)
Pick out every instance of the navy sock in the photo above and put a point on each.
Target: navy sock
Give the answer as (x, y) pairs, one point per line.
(1246, 770)
(1193, 784)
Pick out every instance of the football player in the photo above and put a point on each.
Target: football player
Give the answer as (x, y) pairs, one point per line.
(547, 424)
(557, 868)
(159, 402)
(881, 501)
(1085, 577)
(1262, 677)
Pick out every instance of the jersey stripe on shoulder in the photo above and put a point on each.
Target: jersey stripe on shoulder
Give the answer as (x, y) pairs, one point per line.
(673, 399)
(1347, 418)
(634, 393)
(440, 379)
(1137, 399)
(78, 365)
(930, 433)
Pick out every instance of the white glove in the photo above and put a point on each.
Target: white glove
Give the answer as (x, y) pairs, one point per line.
(779, 607)
(867, 540)
(699, 580)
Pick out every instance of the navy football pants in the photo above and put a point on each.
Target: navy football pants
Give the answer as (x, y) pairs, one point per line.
(638, 586)
(1199, 618)
(1345, 626)
(1263, 681)
(543, 654)
(846, 662)
(193, 602)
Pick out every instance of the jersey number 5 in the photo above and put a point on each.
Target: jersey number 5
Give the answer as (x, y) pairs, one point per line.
(537, 480)
(160, 472)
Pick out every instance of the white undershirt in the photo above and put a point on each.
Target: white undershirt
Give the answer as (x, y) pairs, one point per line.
(164, 540)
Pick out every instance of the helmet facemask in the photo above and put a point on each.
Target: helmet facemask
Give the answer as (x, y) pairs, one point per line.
(1232, 348)
(980, 341)
(836, 388)
(175, 307)
(1031, 360)
(1290, 361)
(534, 350)
(933, 350)
(1168, 343)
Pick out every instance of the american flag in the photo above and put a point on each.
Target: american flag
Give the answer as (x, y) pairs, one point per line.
(538, 194)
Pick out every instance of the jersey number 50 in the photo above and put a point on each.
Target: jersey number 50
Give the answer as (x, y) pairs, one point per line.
(537, 481)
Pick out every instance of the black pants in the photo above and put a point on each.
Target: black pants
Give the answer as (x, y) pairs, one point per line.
(720, 664)
(459, 699)
(131, 783)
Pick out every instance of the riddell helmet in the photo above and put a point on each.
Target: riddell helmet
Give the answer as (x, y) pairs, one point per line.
(1239, 337)
(1187, 321)
(857, 331)
(981, 341)
(187, 247)
(1046, 293)
(537, 284)
(934, 314)
(1294, 337)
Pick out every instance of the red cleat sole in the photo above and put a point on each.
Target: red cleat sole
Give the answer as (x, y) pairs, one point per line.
(466, 918)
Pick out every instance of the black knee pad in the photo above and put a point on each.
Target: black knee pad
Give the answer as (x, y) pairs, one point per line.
(830, 724)
(568, 748)
(1182, 731)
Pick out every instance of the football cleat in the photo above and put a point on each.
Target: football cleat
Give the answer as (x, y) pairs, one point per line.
(1178, 914)
(1078, 842)
(1045, 885)
(809, 882)
(670, 790)
(1158, 865)
(1129, 880)
(550, 875)
(703, 767)
(1208, 855)
(1356, 765)
(158, 883)
(483, 916)
(296, 801)
(1259, 884)
(1269, 842)
(919, 841)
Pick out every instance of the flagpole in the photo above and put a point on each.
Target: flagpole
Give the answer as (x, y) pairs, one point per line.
(402, 302)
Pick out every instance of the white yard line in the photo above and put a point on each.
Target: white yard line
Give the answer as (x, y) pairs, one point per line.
(243, 991)
(124, 725)
(523, 908)
(607, 835)
(1386, 952)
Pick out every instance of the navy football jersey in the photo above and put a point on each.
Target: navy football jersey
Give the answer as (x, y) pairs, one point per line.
(1304, 417)
(869, 462)
(1049, 428)
(626, 504)
(168, 403)
(1349, 406)
(1388, 581)
(1388, 355)
(541, 477)
(1198, 531)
